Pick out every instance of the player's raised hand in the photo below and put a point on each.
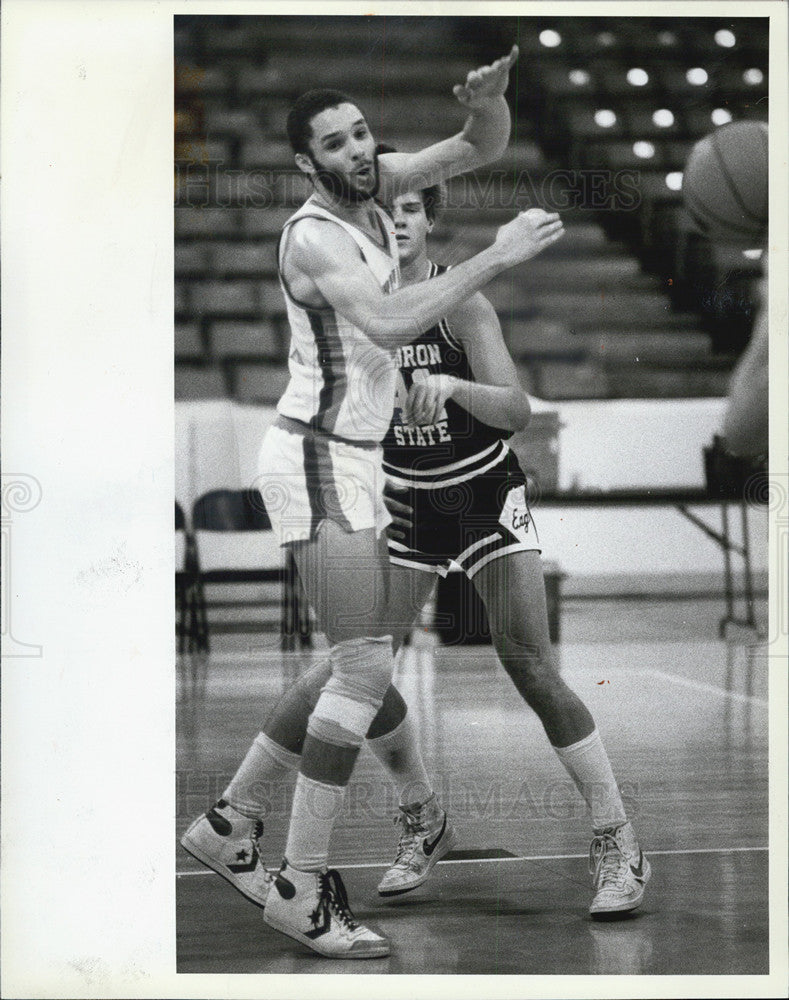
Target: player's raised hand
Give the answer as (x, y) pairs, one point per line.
(426, 398)
(528, 234)
(487, 82)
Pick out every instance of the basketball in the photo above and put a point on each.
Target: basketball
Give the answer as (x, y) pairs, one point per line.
(725, 184)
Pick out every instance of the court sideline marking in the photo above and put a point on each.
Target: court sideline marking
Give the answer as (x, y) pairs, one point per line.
(751, 699)
(527, 857)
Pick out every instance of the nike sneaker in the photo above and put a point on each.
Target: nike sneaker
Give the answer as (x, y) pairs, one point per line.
(619, 869)
(312, 907)
(229, 844)
(426, 838)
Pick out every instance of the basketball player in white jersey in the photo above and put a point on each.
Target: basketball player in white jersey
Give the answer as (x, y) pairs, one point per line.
(459, 398)
(320, 466)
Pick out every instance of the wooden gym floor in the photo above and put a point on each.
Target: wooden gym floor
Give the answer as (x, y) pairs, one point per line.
(684, 718)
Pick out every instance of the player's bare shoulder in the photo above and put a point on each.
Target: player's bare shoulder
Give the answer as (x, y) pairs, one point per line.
(314, 242)
(313, 247)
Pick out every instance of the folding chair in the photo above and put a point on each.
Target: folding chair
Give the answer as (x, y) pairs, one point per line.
(223, 521)
(189, 603)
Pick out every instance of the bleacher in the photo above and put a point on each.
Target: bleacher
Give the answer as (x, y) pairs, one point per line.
(631, 303)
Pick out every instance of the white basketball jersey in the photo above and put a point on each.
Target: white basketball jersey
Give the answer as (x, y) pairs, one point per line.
(340, 381)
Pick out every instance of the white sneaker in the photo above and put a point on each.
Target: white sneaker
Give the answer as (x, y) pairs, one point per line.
(228, 843)
(427, 837)
(312, 907)
(620, 871)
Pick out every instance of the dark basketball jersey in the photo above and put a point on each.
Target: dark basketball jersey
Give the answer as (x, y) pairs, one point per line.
(457, 445)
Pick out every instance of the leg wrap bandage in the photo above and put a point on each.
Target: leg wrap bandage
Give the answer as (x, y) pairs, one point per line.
(361, 672)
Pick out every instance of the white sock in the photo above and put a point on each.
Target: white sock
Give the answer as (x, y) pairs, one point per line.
(399, 753)
(588, 765)
(315, 808)
(266, 765)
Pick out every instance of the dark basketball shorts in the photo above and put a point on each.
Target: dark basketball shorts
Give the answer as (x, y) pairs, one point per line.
(469, 523)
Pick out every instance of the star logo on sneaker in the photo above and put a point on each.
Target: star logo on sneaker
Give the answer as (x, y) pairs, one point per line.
(320, 918)
(428, 847)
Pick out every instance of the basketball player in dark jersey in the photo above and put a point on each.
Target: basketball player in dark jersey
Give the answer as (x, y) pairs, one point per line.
(457, 495)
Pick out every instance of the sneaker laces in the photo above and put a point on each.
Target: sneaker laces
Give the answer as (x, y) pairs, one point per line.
(257, 837)
(606, 862)
(334, 896)
(409, 838)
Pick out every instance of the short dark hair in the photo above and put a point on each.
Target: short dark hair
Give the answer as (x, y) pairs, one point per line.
(432, 197)
(299, 123)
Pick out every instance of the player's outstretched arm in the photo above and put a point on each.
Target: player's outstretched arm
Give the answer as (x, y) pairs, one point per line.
(327, 255)
(496, 397)
(746, 422)
(483, 140)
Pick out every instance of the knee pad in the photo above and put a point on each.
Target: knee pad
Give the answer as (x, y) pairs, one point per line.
(361, 673)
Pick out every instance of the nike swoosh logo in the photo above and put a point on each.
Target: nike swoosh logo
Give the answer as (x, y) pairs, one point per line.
(639, 872)
(428, 848)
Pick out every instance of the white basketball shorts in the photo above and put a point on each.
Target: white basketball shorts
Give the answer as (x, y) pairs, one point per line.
(306, 477)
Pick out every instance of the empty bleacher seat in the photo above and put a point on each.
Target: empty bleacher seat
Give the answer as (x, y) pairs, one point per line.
(568, 380)
(199, 382)
(254, 259)
(244, 188)
(196, 151)
(259, 383)
(255, 80)
(225, 297)
(232, 121)
(651, 347)
(265, 221)
(654, 383)
(201, 80)
(540, 337)
(191, 258)
(205, 221)
(291, 187)
(188, 344)
(270, 153)
(272, 298)
(621, 309)
(593, 275)
(182, 300)
(238, 339)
